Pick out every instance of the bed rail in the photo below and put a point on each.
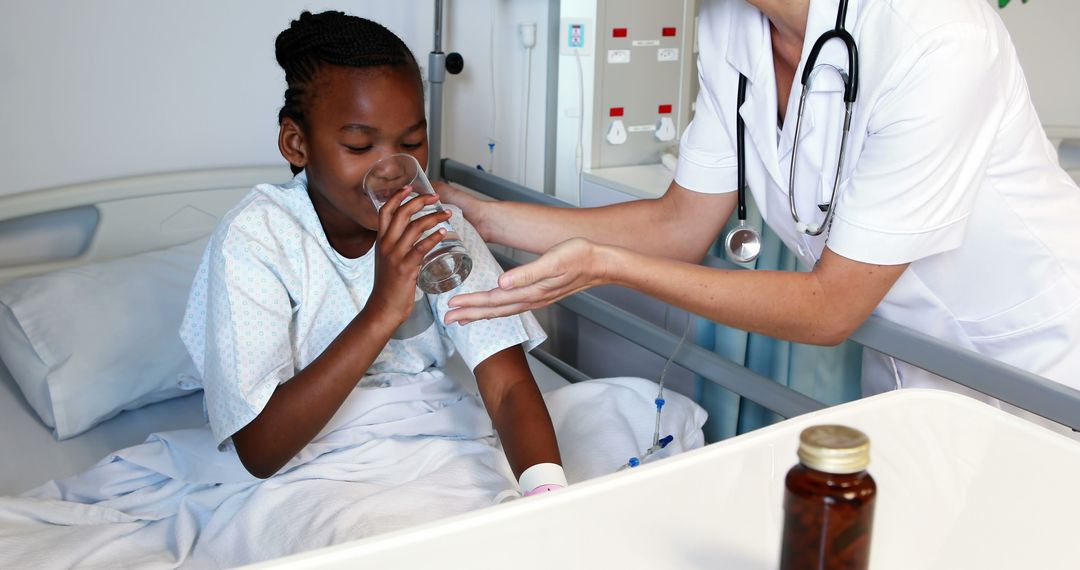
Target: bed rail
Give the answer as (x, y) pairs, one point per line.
(991, 377)
(569, 373)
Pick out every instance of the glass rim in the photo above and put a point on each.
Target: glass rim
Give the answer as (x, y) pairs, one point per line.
(387, 158)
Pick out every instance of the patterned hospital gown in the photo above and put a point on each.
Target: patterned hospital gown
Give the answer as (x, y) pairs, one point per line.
(271, 294)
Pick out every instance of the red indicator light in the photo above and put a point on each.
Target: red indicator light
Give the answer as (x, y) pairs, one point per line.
(668, 32)
(616, 112)
(619, 33)
(664, 109)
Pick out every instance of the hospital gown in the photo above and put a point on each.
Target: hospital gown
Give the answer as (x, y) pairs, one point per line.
(408, 445)
(271, 294)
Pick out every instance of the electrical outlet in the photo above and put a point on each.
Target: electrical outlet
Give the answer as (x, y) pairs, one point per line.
(618, 56)
(667, 54)
(575, 36)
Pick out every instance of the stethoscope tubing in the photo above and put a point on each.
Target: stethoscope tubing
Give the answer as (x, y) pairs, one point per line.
(851, 91)
(740, 134)
(746, 236)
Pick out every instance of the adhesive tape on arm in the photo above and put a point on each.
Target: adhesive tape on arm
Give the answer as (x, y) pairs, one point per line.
(542, 474)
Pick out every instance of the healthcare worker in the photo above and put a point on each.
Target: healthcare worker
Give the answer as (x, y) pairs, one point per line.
(951, 215)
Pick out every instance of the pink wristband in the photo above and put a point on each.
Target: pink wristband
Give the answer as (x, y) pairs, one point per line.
(543, 489)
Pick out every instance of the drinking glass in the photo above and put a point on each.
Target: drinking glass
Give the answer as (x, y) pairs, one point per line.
(448, 264)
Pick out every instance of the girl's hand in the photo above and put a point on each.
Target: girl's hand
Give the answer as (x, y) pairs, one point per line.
(475, 209)
(398, 254)
(567, 268)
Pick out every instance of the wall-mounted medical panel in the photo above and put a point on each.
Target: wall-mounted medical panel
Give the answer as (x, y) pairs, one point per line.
(644, 68)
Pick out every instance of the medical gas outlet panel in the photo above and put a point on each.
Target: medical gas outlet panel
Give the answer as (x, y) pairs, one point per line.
(645, 71)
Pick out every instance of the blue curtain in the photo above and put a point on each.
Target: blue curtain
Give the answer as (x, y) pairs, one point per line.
(828, 374)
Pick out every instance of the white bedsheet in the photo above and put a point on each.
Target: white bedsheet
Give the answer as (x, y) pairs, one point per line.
(176, 501)
(42, 458)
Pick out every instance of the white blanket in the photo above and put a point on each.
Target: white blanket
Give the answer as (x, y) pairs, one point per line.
(391, 458)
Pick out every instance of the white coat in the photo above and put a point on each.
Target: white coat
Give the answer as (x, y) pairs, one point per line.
(948, 169)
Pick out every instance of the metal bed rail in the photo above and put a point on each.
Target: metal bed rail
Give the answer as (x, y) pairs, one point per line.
(1018, 387)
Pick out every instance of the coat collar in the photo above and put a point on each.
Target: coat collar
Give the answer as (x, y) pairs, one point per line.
(749, 51)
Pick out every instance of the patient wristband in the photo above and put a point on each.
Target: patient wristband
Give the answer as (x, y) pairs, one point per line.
(542, 477)
(543, 489)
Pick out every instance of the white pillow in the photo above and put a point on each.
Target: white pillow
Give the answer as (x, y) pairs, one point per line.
(602, 423)
(88, 342)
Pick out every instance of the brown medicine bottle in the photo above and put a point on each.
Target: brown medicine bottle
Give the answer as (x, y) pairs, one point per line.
(829, 502)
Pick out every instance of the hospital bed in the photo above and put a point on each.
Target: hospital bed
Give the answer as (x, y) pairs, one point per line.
(129, 216)
(149, 213)
(153, 212)
(145, 214)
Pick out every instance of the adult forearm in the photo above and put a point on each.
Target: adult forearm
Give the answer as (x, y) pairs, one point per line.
(781, 304)
(301, 407)
(645, 226)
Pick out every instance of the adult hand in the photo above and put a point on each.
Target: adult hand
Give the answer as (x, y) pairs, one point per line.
(399, 252)
(572, 266)
(475, 209)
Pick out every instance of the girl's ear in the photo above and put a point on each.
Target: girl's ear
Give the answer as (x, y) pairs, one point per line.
(292, 144)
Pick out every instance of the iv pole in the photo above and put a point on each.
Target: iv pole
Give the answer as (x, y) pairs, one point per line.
(439, 64)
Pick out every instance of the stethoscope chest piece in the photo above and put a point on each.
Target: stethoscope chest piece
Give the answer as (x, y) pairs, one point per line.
(743, 243)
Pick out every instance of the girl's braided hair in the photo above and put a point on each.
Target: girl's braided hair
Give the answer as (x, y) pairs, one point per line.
(334, 38)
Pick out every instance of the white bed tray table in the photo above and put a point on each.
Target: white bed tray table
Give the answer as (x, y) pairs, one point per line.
(960, 485)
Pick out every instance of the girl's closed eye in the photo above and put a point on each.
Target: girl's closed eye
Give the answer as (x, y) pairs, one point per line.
(412, 146)
(357, 149)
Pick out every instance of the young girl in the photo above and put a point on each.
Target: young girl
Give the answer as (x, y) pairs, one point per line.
(307, 296)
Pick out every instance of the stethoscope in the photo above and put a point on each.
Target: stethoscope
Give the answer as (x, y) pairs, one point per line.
(743, 243)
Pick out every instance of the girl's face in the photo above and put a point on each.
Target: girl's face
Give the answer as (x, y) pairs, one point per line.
(355, 116)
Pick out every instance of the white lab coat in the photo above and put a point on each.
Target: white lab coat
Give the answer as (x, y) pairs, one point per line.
(948, 169)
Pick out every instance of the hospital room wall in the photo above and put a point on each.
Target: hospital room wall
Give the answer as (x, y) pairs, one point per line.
(95, 90)
(486, 102)
(1047, 40)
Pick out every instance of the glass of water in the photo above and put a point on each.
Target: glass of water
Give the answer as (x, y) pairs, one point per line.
(448, 264)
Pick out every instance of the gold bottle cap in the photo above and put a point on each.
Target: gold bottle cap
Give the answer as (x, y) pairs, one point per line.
(834, 449)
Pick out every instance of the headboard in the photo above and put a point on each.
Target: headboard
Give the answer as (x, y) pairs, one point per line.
(125, 215)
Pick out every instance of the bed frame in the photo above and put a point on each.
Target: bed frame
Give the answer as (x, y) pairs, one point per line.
(129, 215)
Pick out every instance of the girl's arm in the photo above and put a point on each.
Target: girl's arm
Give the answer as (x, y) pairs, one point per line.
(301, 407)
(517, 410)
